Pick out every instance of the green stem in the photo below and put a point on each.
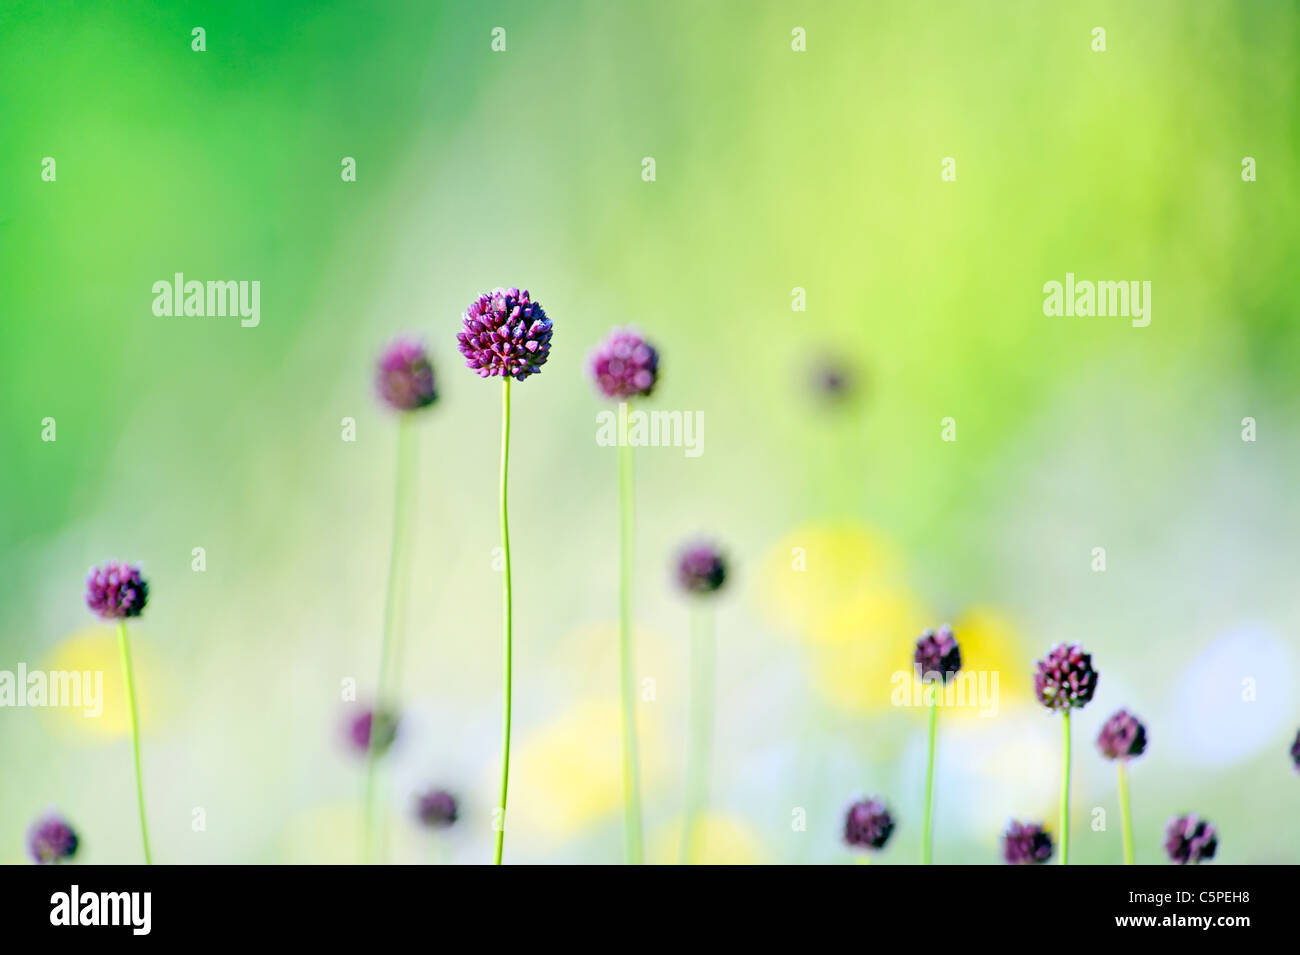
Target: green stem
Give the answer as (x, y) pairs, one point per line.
(1065, 793)
(700, 730)
(927, 826)
(500, 821)
(1125, 813)
(627, 683)
(388, 647)
(128, 678)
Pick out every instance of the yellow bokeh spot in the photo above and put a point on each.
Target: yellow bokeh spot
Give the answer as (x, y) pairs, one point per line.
(720, 840)
(93, 653)
(818, 568)
(567, 774)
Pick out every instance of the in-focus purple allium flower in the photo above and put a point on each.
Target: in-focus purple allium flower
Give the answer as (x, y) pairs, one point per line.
(868, 824)
(116, 590)
(701, 569)
(1295, 751)
(937, 653)
(436, 808)
(1190, 839)
(1025, 843)
(51, 840)
(1122, 736)
(505, 334)
(625, 365)
(359, 727)
(1065, 678)
(404, 377)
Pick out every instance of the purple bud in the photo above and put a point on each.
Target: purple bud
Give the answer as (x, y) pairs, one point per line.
(359, 729)
(868, 824)
(505, 334)
(937, 653)
(404, 377)
(1122, 736)
(1025, 843)
(1190, 839)
(436, 808)
(1065, 679)
(701, 569)
(51, 840)
(116, 590)
(625, 365)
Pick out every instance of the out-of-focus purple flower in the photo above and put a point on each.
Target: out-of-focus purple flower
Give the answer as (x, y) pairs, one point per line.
(1190, 839)
(1065, 679)
(625, 365)
(505, 334)
(51, 840)
(937, 653)
(1025, 843)
(833, 380)
(436, 808)
(868, 824)
(116, 590)
(359, 727)
(701, 569)
(1122, 736)
(404, 377)
(1295, 751)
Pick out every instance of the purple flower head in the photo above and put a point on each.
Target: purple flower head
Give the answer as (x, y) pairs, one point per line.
(625, 365)
(832, 380)
(436, 808)
(1025, 843)
(1190, 839)
(1295, 751)
(1122, 736)
(359, 729)
(937, 653)
(505, 334)
(868, 824)
(51, 840)
(404, 377)
(116, 590)
(1065, 679)
(701, 569)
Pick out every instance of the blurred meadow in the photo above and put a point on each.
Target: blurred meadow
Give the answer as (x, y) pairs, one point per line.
(849, 524)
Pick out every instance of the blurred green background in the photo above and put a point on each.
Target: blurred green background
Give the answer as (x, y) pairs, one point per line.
(775, 170)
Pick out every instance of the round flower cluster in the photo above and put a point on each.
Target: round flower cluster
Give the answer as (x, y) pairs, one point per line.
(1122, 736)
(701, 569)
(1065, 679)
(1190, 839)
(116, 590)
(404, 377)
(937, 653)
(436, 808)
(868, 824)
(51, 840)
(382, 723)
(625, 365)
(1025, 843)
(505, 334)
